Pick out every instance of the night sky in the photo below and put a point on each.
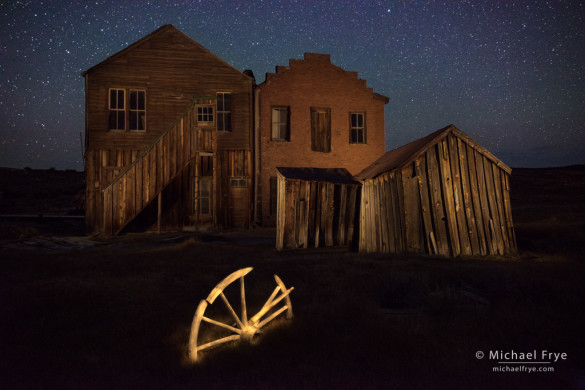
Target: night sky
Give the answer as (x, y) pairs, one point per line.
(511, 74)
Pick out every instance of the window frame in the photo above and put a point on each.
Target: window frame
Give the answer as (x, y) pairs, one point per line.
(286, 138)
(116, 109)
(238, 182)
(126, 110)
(223, 113)
(137, 110)
(357, 129)
(205, 123)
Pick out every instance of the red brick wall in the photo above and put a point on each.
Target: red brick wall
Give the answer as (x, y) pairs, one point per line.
(315, 82)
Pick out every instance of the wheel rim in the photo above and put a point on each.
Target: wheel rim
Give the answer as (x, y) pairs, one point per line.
(243, 328)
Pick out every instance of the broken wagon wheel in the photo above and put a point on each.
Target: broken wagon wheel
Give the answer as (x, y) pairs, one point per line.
(244, 328)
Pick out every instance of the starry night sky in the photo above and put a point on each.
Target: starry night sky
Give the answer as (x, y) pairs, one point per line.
(511, 74)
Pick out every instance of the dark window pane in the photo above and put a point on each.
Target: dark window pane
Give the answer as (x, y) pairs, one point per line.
(141, 100)
(141, 120)
(133, 100)
(220, 122)
(227, 102)
(228, 121)
(121, 120)
(121, 99)
(133, 117)
(220, 101)
(353, 120)
(113, 98)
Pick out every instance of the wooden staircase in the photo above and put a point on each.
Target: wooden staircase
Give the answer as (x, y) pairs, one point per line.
(154, 169)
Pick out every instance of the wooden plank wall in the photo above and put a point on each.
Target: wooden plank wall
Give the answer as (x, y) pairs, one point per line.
(452, 200)
(146, 176)
(314, 214)
(172, 69)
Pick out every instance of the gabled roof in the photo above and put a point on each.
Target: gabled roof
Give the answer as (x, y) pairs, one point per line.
(401, 157)
(165, 28)
(330, 175)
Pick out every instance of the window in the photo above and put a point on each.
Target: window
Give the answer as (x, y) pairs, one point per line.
(280, 123)
(204, 115)
(204, 196)
(239, 182)
(321, 129)
(224, 111)
(273, 195)
(357, 128)
(137, 110)
(129, 114)
(117, 110)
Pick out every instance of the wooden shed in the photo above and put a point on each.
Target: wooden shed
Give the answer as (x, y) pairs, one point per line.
(316, 207)
(442, 194)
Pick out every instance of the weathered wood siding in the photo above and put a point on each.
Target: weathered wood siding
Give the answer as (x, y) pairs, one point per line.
(315, 214)
(451, 200)
(126, 170)
(173, 70)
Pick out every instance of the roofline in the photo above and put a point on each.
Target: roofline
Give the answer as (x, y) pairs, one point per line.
(383, 98)
(445, 132)
(441, 134)
(150, 36)
(286, 69)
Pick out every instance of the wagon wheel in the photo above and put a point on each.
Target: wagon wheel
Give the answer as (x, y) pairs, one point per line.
(244, 328)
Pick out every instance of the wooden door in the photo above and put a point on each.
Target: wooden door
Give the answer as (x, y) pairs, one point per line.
(321, 129)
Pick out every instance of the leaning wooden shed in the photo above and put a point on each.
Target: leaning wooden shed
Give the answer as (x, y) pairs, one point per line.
(315, 207)
(442, 194)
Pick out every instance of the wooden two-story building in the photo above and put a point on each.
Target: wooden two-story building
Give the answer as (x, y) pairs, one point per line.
(313, 114)
(168, 138)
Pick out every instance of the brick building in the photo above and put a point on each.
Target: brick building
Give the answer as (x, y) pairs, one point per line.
(313, 114)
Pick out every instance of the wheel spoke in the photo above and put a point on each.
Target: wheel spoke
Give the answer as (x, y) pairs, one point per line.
(221, 324)
(268, 302)
(231, 310)
(273, 316)
(245, 328)
(266, 309)
(243, 300)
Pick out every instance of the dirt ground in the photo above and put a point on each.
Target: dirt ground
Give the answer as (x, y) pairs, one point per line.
(94, 313)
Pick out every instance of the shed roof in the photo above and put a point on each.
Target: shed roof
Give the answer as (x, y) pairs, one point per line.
(164, 28)
(399, 158)
(330, 175)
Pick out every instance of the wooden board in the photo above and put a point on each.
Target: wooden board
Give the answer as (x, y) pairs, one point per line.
(466, 197)
(458, 197)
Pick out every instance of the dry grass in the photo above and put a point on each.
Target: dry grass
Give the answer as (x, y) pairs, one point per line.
(118, 315)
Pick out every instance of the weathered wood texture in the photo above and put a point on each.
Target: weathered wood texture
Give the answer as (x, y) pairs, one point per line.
(127, 170)
(173, 164)
(172, 69)
(315, 214)
(452, 200)
(148, 175)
